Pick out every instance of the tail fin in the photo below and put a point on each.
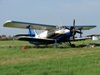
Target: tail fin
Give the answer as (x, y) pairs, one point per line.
(32, 32)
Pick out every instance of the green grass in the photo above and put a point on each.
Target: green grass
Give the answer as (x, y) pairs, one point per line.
(48, 61)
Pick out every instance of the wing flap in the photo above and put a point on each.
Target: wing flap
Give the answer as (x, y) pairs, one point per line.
(25, 25)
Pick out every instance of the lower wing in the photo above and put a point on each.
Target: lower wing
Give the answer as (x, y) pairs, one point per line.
(38, 40)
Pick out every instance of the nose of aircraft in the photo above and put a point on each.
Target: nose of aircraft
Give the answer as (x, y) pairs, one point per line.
(74, 31)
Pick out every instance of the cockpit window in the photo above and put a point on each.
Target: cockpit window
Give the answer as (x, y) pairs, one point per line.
(61, 28)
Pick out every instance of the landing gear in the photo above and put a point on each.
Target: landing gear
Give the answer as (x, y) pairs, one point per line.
(71, 45)
(56, 44)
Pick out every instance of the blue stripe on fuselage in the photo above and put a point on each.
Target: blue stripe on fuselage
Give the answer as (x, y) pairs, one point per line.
(64, 36)
(68, 34)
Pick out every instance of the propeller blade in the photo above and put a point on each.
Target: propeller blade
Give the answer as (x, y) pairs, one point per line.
(74, 30)
(79, 32)
(74, 23)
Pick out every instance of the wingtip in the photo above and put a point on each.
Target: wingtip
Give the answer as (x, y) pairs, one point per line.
(5, 24)
(8, 21)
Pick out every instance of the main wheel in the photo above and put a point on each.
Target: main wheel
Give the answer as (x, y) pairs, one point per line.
(73, 45)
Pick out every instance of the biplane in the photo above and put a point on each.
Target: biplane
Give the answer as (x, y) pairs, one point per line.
(52, 34)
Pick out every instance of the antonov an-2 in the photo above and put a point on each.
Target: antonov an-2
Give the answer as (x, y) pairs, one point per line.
(53, 34)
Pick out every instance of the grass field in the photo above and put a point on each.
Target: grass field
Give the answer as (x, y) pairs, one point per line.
(48, 61)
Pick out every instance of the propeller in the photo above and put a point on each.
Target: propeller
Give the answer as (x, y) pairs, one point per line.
(74, 31)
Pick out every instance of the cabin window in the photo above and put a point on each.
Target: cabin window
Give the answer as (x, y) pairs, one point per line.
(61, 28)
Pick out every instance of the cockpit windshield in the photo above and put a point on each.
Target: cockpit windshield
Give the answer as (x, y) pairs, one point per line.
(61, 28)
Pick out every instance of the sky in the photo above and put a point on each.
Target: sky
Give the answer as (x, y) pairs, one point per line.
(55, 12)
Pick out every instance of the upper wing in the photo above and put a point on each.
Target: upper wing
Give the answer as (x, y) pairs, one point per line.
(85, 27)
(25, 25)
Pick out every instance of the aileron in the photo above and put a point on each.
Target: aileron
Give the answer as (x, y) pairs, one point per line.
(88, 27)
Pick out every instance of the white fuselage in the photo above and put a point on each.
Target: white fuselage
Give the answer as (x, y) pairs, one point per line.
(46, 34)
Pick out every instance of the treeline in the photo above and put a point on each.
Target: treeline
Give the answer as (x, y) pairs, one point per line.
(4, 37)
